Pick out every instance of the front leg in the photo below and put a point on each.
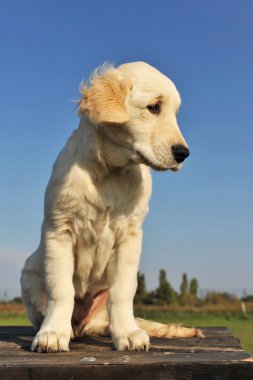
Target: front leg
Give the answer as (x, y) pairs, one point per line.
(55, 332)
(122, 280)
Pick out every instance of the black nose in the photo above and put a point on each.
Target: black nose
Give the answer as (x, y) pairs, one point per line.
(180, 153)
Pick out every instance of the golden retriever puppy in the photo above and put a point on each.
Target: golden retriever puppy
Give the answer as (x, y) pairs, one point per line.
(82, 277)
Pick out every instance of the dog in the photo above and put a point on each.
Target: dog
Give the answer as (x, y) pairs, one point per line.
(83, 276)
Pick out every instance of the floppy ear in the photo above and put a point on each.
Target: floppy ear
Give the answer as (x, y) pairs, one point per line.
(104, 102)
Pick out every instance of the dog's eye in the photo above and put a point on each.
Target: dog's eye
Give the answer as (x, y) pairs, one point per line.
(154, 108)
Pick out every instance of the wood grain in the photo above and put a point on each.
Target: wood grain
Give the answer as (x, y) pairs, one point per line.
(219, 356)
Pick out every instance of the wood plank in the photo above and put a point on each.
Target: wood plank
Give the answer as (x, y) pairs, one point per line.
(219, 356)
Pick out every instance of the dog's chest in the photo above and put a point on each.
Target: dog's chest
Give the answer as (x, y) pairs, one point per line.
(96, 245)
(122, 190)
(104, 226)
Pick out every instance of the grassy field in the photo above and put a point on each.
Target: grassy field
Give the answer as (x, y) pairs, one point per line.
(240, 325)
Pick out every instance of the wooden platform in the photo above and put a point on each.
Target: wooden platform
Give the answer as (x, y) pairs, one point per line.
(219, 356)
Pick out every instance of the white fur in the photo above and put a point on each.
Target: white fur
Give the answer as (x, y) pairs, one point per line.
(95, 205)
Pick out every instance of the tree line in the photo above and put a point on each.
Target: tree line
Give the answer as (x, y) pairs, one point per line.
(165, 294)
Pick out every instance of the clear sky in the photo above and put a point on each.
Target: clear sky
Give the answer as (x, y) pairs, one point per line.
(201, 219)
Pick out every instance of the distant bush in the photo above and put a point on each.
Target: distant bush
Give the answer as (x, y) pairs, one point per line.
(216, 298)
(16, 300)
(248, 298)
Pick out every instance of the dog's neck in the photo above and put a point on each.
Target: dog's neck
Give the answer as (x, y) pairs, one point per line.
(99, 153)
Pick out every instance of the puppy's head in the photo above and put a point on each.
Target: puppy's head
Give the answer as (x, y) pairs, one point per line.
(135, 107)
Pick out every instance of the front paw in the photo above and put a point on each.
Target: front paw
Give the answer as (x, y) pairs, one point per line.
(50, 341)
(135, 340)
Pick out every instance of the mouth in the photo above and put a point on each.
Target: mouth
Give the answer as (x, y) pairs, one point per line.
(154, 166)
(141, 158)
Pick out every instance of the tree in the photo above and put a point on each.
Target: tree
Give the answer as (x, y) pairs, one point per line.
(184, 289)
(165, 292)
(194, 287)
(141, 288)
(192, 297)
(150, 298)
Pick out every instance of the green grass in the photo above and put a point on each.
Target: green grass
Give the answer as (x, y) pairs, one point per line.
(241, 326)
(14, 320)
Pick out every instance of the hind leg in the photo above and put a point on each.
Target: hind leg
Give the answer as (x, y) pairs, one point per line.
(97, 323)
(162, 330)
(100, 326)
(32, 289)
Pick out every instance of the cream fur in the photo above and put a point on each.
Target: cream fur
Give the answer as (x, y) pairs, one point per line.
(95, 205)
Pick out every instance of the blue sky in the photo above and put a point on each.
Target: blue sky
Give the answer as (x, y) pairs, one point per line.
(201, 219)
